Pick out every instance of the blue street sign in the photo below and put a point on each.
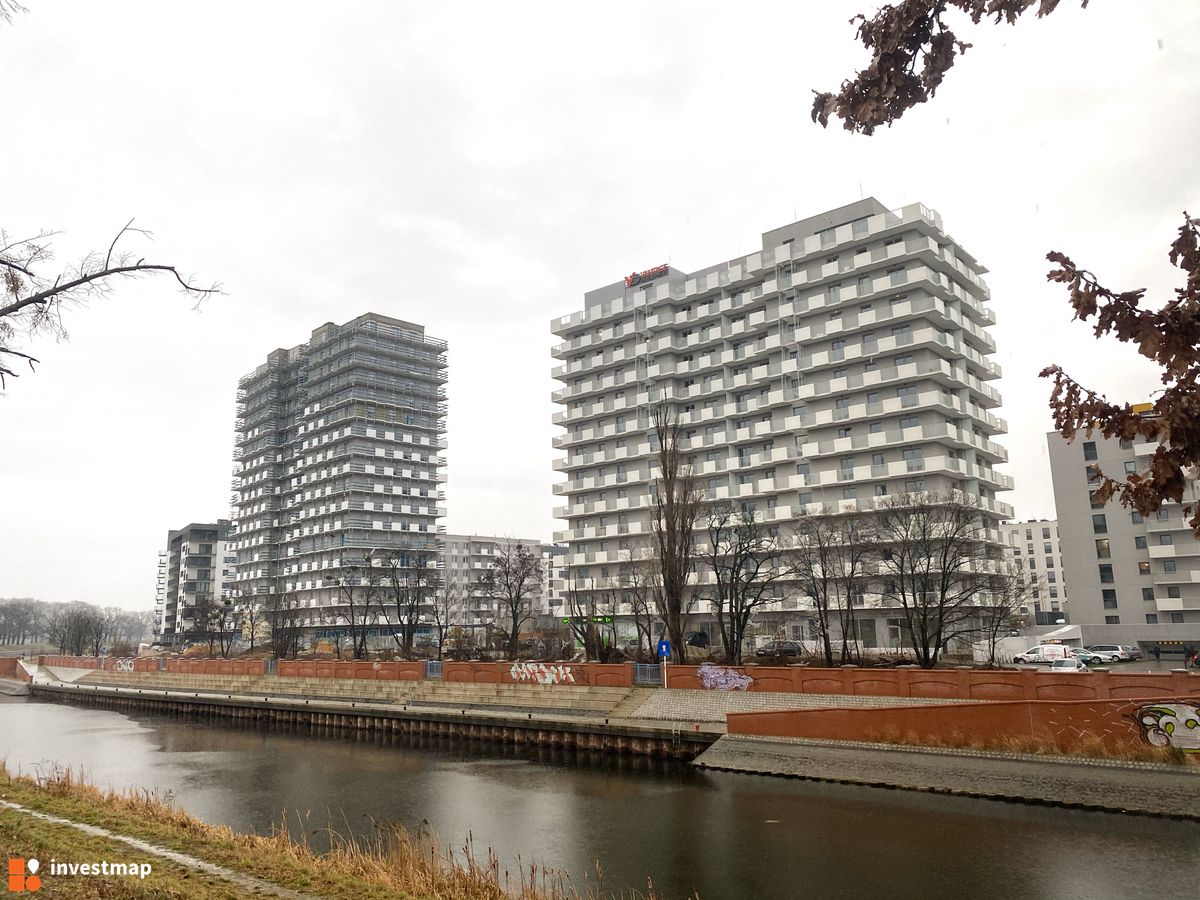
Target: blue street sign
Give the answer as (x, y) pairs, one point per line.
(664, 649)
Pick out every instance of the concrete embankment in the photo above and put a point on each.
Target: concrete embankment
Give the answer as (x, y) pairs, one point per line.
(1144, 788)
(10, 688)
(592, 732)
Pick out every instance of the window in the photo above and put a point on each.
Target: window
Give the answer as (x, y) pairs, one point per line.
(1106, 574)
(1103, 549)
(1046, 534)
(1136, 518)
(907, 395)
(1130, 468)
(1168, 566)
(845, 432)
(1112, 620)
(1089, 450)
(1148, 594)
(1139, 542)
(1053, 593)
(1049, 562)
(1046, 547)
(1173, 592)
(848, 493)
(1029, 534)
(1143, 568)
(1099, 524)
(1094, 500)
(881, 490)
(1151, 618)
(875, 427)
(910, 421)
(1177, 618)
(1165, 540)
(1110, 599)
(1051, 577)
(1093, 474)
(1163, 515)
(1033, 565)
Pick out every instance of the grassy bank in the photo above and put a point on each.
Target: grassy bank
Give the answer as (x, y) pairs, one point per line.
(394, 863)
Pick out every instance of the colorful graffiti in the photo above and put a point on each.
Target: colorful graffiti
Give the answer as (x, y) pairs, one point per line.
(1171, 725)
(722, 678)
(541, 673)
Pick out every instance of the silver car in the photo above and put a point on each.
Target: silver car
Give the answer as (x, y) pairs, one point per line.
(1070, 664)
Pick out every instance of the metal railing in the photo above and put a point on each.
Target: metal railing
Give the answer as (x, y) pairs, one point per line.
(647, 674)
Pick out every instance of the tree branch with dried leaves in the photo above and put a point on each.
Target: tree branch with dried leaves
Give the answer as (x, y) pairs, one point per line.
(32, 303)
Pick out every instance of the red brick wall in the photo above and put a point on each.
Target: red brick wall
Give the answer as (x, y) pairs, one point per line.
(1066, 724)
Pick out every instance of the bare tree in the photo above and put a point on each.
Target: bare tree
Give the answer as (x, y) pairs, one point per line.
(443, 596)
(406, 578)
(637, 590)
(32, 303)
(359, 592)
(281, 609)
(512, 581)
(676, 498)
(747, 562)
(224, 623)
(253, 617)
(1001, 615)
(937, 568)
(588, 611)
(831, 559)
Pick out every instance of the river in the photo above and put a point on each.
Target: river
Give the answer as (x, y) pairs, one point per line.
(725, 835)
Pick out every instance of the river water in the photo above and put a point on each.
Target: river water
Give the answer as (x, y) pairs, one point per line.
(722, 834)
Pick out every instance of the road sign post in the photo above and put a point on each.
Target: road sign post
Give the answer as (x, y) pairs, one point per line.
(664, 653)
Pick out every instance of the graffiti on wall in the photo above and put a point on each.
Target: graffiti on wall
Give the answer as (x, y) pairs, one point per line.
(1171, 725)
(722, 678)
(124, 665)
(541, 673)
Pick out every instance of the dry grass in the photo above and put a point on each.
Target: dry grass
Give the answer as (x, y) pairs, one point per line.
(393, 862)
(1084, 746)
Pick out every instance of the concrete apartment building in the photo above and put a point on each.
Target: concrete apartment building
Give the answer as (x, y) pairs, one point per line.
(846, 360)
(1035, 554)
(467, 560)
(196, 570)
(338, 458)
(1133, 580)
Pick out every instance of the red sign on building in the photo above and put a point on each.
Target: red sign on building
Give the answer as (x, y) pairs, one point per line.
(649, 274)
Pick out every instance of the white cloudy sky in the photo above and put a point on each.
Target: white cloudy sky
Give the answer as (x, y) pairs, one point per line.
(477, 167)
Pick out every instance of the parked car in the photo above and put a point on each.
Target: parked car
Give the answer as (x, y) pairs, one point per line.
(1087, 657)
(1042, 653)
(1068, 664)
(1109, 652)
(698, 639)
(779, 648)
(1132, 652)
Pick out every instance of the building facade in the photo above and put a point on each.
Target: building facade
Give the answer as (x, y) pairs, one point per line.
(1035, 555)
(338, 460)
(1133, 579)
(845, 361)
(468, 558)
(196, 570)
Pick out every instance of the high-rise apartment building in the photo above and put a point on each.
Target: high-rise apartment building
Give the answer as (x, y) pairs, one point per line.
(1035, 555)
(195, 572)
(845, 361)
(338, 457)
(1133, 579)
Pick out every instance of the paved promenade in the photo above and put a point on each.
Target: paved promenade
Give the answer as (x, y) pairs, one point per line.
(1147, 788)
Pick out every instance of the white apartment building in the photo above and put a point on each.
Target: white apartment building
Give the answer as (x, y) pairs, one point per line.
(846, 360)
(1035, 554)
(1133, 579)
(338, 459)
(196, 570)
(468, 557)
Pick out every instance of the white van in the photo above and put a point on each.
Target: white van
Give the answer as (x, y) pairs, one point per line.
(1043, 653)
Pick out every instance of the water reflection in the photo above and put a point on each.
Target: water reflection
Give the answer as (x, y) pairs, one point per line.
(726, 835)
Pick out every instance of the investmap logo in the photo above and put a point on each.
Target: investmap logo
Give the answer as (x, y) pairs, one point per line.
(22, 875)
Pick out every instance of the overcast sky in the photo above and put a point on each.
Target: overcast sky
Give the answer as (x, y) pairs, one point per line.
(478, 167)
